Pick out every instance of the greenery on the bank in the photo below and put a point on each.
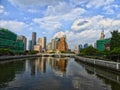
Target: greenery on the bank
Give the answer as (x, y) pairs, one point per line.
(113, 54)
(32, 52)
(7, 51)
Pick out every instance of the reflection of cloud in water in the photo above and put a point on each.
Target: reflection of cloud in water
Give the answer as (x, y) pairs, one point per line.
(85, 83)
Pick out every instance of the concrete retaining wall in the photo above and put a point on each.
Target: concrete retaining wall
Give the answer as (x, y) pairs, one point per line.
(107, 64)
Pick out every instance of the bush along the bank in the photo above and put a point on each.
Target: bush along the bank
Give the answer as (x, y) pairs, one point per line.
(32, 52)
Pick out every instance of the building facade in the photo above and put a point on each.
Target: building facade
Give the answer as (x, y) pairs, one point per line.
(101, 45)
(62, 44)
(85, 45)
(79, 47)
(9, 40)
(33, 39)
(42, 43)
(24, 39)
(30, 45)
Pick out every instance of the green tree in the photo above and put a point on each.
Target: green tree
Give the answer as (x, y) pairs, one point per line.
(88, 51)
(115, 40)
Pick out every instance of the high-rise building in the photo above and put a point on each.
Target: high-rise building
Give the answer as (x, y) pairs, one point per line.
(24, 39)
(42, 42)
(49, 46)
(85, 45)
(101, 45)
(76, 50)
(79, 47)
(9, 40)
(33, 39)
(62, 44)
(30, 45)
(53, 44)
(102, 35)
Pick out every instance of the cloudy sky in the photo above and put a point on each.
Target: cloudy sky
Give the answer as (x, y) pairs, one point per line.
(81, 20)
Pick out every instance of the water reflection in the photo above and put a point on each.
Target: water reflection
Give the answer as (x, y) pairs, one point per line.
(9, 70)
(108, 77)
(55, 74)
(58, 65)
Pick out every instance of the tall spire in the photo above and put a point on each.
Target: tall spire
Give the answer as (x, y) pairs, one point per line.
(102, 35)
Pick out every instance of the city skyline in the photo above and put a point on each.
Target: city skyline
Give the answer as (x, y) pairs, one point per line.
(77, 19)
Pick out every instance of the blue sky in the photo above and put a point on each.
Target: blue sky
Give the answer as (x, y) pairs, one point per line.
(81, 20)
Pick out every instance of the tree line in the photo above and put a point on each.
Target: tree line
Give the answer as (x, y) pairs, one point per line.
(113, 54)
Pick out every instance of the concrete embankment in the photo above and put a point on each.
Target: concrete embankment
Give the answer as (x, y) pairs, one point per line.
(106, 64)
(17, 57)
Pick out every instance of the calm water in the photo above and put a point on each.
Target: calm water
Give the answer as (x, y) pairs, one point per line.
(55, 74)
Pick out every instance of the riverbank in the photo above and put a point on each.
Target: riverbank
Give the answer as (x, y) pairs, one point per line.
(106, 64)
(17, 57)
(36, 55)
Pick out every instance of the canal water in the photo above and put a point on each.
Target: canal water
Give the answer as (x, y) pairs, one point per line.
(55, 74)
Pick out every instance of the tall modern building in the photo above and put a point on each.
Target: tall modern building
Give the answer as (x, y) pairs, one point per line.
(62, 44)
(33, 39)
(49, 46)
(30, 45)
(85, 45)
(101, 45)
(79, 47)
(53, 44)
(42, 42)
(9, 40)
(24, 39)
(102, 35)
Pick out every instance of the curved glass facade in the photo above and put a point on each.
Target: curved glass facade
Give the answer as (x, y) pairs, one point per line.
(9, 40)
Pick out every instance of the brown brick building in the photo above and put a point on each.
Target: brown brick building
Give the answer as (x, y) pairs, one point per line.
(62, 44)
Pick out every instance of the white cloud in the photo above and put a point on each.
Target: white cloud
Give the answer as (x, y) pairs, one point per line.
(48, 23)
(110, 9)
(59, 34)
(59, 9)
(27, 3)
(13, 25)
(33, 11)
(96, 23)
(99, 3)
(54, 21)
(2, 10)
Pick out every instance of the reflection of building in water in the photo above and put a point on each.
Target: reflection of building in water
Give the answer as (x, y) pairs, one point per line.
(32, 65)
(41, 64)
(36, 65)
(59, 66)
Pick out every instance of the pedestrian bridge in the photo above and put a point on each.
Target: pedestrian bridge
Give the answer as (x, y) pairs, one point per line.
(57, 54)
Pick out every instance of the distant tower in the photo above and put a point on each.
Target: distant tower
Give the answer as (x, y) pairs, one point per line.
(33, 39)
(30, 45)
(102, 35)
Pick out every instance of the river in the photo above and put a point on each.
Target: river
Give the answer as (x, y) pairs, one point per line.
(47, 73)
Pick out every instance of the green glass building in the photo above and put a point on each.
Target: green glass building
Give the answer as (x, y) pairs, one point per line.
(100, 44)
(9, 40)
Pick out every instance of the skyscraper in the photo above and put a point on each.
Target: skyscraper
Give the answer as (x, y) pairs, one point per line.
(85, 45)
(102, 35)
(53, 44)
(24, 39)
(62, 44)
(79, 47)
(42, 42)
(30, 45)
(33, 39)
